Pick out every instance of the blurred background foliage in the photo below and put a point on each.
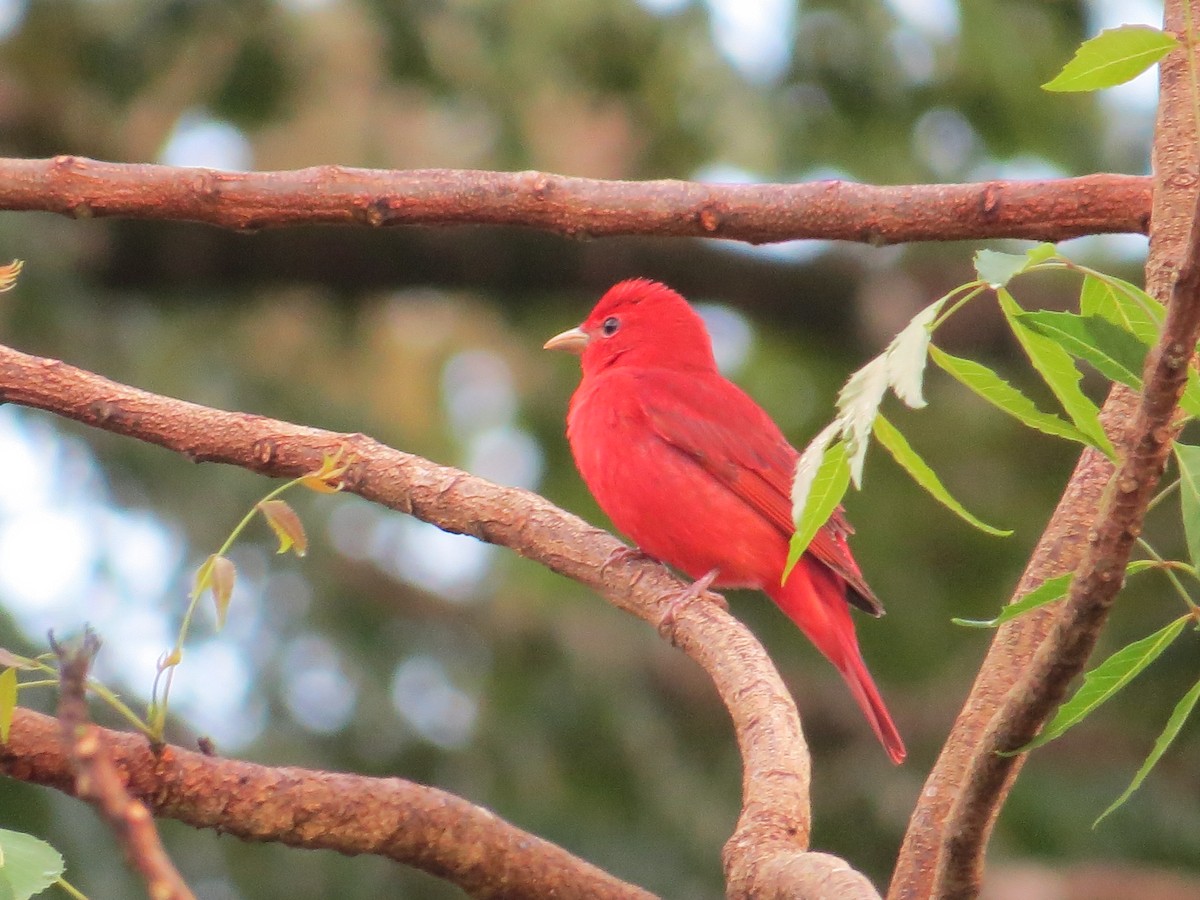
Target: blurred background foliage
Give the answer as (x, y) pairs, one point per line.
(394, 649)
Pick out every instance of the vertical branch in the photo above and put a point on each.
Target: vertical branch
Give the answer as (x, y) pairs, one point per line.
(98, 781)
(1032, 659)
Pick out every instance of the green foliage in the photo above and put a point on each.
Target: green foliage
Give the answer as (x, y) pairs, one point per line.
(1117, 354)
(828, 486)
(1048, 591)
(1179, 716)
(1125, 305)
(1112, 332)
(1113, 57)
(996, 269)
(27, 865)
(1188, 458)
(1054, 364)
(995, 390)
(902, 452)
(1102, 682)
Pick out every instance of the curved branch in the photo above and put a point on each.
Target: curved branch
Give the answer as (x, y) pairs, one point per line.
(353, 814)
(1048, 210)
(768, 846)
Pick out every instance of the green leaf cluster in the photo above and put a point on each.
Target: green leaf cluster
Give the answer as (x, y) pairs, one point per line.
(1112, 333)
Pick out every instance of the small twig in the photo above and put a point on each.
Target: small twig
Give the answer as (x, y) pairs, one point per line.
(1048, 210)
(98, 781)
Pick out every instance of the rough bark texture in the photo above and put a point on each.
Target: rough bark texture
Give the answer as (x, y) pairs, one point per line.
(410, 823)
(1049, 210)
(98, 780)
(1034, 658)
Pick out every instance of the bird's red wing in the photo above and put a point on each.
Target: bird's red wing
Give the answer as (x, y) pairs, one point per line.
(714, 423)
(830, 547)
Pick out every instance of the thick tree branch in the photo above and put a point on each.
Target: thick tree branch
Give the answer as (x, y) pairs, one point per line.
(1049, 210)
(98, 781)
(1099, 577)
(1033, 660)
(767, 849)
(410, 823)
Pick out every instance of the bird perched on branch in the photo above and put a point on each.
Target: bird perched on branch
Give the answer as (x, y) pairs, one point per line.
(699, 476)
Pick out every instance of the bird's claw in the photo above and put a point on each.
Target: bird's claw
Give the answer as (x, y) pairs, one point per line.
(623, 555)
(690, 594)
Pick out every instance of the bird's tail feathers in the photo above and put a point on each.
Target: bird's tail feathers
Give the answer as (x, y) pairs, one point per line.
(814, 598)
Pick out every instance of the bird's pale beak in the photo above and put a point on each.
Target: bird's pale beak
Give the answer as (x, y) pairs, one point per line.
(573, 341)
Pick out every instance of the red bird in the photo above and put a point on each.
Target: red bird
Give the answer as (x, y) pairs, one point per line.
(697, 474)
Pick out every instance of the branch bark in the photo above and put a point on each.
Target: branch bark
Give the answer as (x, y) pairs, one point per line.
(1034, 658)
(352, 814)
(767, 853)
(98, 781)
(1048, 210)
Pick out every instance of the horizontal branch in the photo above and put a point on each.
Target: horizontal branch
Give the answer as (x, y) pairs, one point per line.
(769, 842)
(352, 814)
(1048, 210)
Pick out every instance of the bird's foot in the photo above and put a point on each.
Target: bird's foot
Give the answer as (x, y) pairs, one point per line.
(624, 555)
(690, 594)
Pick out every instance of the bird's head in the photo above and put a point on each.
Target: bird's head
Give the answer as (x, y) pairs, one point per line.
(639, 323)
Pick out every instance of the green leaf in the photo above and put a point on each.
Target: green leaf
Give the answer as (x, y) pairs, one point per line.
(1115, 353)
(995, 390)
(998, 269)
(1041, 253)
(1113, 57)
(828, 488)
(1133, 310)
(895, 443)
(8, 702)
(1123, 304)
(1188, 458)
(808, 464)
(1190, 401)
(29, 865)
(1107, 678)
(1179, 716)
(1058, 370)
(1047, 592)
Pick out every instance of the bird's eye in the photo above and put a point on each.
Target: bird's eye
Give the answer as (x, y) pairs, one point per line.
(610, 326)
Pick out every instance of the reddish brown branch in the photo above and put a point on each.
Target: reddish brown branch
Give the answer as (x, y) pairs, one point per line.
(98, 781)
(420, 826)
(1048, 210)
(1033, 661)
(767, 847)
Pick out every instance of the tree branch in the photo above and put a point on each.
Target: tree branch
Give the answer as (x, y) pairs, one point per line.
(352, 814)
(1033, 660)
(98, 781)
(1048, 210)
(767, 848)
